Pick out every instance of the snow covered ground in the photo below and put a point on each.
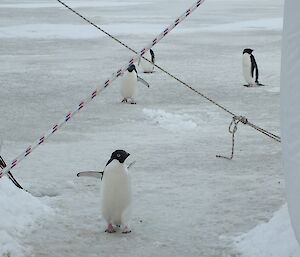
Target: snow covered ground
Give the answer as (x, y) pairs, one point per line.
(274, 238)
(186, 201)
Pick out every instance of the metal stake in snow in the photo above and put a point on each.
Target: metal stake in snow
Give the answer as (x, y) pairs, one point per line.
(96, 92)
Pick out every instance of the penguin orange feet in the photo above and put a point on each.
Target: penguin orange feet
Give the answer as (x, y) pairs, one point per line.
(110, 229)
(126, 230)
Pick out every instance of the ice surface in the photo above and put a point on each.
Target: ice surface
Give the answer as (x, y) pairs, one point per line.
(75, 4)
(185, 200)
(69, 31)
(259, 24)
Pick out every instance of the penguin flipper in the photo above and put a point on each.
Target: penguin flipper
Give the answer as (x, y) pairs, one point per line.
(152, 56)
(139, 79)
(131, 164)
(95, 174)
(254, 68)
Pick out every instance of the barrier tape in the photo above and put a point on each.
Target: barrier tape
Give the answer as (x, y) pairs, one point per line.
(41, 140)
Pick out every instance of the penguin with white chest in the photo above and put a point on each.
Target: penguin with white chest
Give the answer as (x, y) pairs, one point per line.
(147, 66)
(116, 192)
(250, 69)
(129, 84)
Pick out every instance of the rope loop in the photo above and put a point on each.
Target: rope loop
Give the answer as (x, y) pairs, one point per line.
(235, 121)
(233, 126)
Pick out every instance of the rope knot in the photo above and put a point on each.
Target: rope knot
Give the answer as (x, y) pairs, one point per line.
(242, 119)
(232, 129)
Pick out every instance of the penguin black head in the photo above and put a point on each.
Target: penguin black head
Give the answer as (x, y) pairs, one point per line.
(248, 51)
(131, 68)
(119, 155)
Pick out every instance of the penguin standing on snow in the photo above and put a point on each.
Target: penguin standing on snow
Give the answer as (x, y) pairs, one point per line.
(147, 66)
(129, 84)
(250, 69)
(116, 192)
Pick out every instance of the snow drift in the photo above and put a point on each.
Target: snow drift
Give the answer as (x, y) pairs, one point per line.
(19, 214)
(170, 121)
(272, 239)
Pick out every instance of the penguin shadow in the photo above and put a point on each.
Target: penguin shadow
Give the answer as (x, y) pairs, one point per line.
(254, 86)
(148, 73)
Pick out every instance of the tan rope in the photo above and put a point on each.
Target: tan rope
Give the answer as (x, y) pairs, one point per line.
(233, 128)
(235, 120)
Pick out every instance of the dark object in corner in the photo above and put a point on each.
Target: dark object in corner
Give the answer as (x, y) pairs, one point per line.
(10, 175)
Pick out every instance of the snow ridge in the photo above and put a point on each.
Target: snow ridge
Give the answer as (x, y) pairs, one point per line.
(272, 239)
(19, 213)
(170, 121)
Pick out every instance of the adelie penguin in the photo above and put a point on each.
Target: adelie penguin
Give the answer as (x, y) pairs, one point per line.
(115, 191)
(129, 84)
(250, 69)
(147, 67)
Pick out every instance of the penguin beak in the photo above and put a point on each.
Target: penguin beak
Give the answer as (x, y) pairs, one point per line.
(110, 160)
(127, 155)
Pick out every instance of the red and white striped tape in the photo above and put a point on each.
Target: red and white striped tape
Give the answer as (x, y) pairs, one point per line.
(91, 96)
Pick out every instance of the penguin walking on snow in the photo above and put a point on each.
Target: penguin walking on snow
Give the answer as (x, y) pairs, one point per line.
(129, 84)
(116, 192)
(147, 66)
(250, 69)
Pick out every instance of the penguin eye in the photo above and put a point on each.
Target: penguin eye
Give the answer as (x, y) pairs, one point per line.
(118, 155)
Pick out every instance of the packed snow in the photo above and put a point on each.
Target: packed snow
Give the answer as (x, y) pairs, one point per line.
(70, 31)
(186, 202)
